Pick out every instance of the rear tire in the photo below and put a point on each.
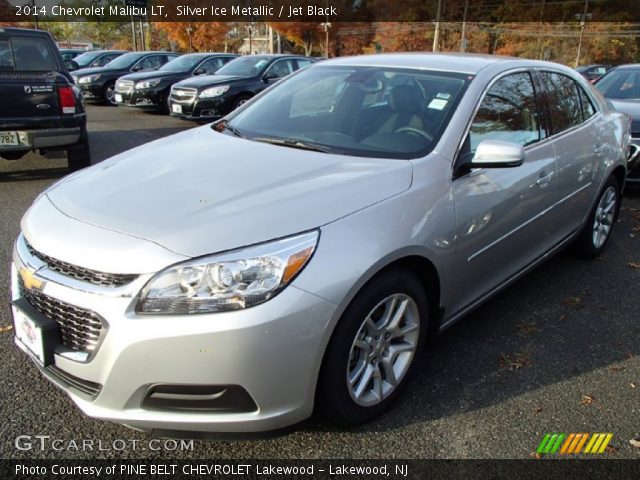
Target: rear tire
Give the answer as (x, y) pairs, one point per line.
(373, 349)
(79, 155)
(597, 231)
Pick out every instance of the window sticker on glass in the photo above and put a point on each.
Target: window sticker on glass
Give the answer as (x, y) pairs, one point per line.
(445, 96)
(438, 104)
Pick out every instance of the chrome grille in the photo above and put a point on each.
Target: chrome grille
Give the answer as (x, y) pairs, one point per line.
(183, 94)
(124, 86)
(80, 329)
(83, 274)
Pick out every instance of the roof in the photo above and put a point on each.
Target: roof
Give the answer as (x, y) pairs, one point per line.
(452, 62)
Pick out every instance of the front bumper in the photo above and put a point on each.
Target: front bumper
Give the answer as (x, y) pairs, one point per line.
(200, 109)
(272, 351)
(45, 138)
(633, 165)
(91, 91)
(140, 98)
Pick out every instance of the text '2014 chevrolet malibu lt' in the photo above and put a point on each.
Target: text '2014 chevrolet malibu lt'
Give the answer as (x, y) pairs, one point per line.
(299, 252)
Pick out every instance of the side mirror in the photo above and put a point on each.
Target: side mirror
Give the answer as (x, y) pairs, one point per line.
(269, 76)
(136, 68)
(199, 71)
(497, 154)
(71, 65)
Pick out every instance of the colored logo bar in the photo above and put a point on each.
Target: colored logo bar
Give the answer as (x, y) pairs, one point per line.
(574, 443)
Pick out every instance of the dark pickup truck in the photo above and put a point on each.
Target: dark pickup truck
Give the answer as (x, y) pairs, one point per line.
(40, 107)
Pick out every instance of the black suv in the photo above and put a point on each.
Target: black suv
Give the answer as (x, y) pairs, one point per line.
(98, 84)
(212, 96)
(41, 107)
(150, 90)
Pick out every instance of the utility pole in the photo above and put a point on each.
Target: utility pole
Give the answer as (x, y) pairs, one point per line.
(463, 37)
(583, 19)
(134, 37)
(189, 31)
(436, 34)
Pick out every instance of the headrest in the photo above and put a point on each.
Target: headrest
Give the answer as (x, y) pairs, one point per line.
(405, 98)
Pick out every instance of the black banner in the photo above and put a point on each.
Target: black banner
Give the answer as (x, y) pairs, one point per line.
(513, 11)
(535, 469)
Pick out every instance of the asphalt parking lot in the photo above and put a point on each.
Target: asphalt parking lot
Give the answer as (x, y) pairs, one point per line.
(558, 351)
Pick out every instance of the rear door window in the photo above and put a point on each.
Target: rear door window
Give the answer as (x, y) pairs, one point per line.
(26, 54)
(563, 101)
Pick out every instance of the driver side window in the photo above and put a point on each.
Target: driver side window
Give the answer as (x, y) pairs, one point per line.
(150, 63)
(508, 112)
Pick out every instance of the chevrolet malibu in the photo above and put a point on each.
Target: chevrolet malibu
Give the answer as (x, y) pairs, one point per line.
(299, 252)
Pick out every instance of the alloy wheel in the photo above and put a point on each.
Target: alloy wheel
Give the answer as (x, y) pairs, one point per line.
(383, 349)
(605, 213)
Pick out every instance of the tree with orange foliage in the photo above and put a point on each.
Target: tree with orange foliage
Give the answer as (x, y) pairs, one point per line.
(6, 12)
(304, 34)
(205, 36)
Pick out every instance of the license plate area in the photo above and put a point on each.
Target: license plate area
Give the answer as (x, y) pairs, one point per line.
(38, 335)
(118, 98)
(9, 139)
(175, 108)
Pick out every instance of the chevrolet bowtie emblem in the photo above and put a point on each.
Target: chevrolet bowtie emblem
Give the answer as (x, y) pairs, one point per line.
(29, 279)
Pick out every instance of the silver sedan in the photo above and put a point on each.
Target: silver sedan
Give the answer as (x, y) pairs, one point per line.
(299, 252)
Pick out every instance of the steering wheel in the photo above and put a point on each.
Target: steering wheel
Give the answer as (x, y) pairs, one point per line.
(414, 131)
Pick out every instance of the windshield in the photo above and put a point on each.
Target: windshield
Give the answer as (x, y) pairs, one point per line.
(621, 84)
(30, 54)
(244, 67)
(362, 111)
(181, 64)
(85, 59)
(124, 61)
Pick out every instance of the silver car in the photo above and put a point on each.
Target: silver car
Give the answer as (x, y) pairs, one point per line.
(298, 253)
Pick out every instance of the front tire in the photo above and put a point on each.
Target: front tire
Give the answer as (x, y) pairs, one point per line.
(374, 348)
(109, 95)
(597, 230)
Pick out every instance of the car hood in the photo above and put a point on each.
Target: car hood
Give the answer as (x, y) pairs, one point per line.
(630, 107)
(201, 192)
(92, 71)
(203, 81)
(138, 76)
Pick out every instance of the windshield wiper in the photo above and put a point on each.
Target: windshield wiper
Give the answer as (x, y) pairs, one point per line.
(293, 143)
(224, 125)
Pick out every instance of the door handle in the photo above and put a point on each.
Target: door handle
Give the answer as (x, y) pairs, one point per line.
(544, 179)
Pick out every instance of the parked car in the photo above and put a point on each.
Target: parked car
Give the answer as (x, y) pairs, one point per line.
(95, 58)
(98, 84)
(41, 108)
(151, 90)
(621, 87)
(70, 53)
(300, 251)
(210, 97)
(593, 72)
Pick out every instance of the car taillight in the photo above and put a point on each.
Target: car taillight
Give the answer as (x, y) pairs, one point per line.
(67, 99)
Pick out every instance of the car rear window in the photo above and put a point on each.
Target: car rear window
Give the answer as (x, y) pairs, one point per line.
(26, 54)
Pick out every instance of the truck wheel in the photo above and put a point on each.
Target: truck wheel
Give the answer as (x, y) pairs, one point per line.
(79, 155)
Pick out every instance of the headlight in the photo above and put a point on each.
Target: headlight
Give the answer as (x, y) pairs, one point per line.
(213, 91)
(89, 78)
(147, 83)
(228, 281)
